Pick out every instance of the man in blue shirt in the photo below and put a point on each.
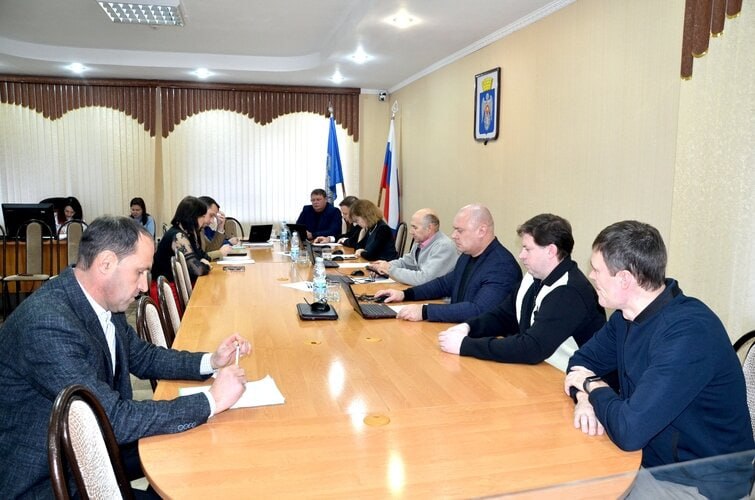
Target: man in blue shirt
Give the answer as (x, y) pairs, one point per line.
(682, 390)
(321, 218)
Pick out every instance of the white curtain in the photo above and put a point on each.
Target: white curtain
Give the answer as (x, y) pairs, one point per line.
(104, 158)
(99, 155)
(258, 174)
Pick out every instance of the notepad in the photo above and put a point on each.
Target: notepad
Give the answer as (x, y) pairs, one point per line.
(261, 392)
(235, 261)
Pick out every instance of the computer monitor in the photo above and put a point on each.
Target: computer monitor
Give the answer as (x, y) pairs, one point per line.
(17, 214)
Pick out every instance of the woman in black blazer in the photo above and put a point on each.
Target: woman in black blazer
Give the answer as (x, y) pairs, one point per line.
(378, 243)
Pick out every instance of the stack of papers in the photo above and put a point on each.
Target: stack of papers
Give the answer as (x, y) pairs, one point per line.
(261, 392)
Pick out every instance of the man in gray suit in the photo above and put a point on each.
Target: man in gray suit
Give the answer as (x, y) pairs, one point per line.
(73, 330)
(433, 253)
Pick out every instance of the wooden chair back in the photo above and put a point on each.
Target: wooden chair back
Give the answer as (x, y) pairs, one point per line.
(168, 307)
(73, 231)
(401, 238)
(80, 435)
(233, 228)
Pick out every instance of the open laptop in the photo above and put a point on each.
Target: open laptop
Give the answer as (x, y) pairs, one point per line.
(260, 233)
(312, 256)
(367, 310)
(299, 228)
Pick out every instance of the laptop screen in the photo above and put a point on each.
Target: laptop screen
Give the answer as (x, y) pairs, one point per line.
(352, 298)
(260, 233)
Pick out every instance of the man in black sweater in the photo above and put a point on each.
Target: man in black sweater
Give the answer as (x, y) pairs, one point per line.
(553, 310)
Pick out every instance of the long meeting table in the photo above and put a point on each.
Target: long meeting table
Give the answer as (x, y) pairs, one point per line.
(373, 408)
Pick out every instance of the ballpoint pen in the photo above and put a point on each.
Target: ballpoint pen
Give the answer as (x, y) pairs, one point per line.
(238, 347)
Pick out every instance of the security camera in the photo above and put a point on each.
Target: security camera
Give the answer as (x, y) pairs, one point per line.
(382, 96)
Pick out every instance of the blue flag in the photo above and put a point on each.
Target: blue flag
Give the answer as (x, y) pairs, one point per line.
(333, 170)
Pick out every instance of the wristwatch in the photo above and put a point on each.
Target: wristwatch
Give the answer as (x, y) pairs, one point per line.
(588, 381)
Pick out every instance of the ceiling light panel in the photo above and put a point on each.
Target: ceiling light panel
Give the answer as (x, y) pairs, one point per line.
(156, 13)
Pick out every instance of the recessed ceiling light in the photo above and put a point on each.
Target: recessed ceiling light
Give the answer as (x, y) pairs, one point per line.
(202, 73)
(360, 56)
(402, 19)
(153, 12)
(337, 77)
(77, 68)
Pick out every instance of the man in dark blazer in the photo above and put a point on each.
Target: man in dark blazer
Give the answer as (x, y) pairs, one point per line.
(321, 218)
(484, 274)
(73, 330)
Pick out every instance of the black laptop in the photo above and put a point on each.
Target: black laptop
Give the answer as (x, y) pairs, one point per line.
(367, 310)
(260, 233)
(329, 264)
(299, 228)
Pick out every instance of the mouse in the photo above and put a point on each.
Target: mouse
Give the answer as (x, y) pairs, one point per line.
(358, 272)
(319, 307)
(381, 299)
(337, 252)
(337, 257)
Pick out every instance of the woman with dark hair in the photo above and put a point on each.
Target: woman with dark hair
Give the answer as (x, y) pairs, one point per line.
(378, 243)
(183, 236)
(139, 212)
(71, 211)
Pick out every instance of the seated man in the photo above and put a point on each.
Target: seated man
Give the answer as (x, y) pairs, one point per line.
(214, 242)
(321, 218)
(682, 391)
(433, 253)
(73, 330)
(553, 307)
(484, 273)
(351, 237)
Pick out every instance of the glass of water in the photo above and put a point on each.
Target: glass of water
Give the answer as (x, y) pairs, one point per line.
(334, 293)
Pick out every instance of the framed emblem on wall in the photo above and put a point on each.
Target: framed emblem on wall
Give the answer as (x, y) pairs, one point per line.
(487, 103)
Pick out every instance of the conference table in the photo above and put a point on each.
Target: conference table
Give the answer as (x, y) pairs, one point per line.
(373, 408)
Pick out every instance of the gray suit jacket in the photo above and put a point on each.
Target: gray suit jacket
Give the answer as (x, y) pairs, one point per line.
(53, 340)
(437, 259)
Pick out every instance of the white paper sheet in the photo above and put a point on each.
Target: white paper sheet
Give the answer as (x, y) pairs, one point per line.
(304, 286)
(235, 261)
(261, 392)
(352, 265)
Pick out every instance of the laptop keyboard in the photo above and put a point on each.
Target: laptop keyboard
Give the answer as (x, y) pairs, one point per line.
(375, 309)
(339, 278)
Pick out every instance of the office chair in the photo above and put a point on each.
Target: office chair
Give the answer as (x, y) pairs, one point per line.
(70, 233)
(401, 238)
(743, 344)
(182, 280)
(33, 268)
(168, 307)
(233, 228)
(150, 326)
(749, 372)
(2, 265)
(80, 435)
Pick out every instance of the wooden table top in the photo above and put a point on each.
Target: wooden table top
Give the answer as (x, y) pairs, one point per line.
(373, 409)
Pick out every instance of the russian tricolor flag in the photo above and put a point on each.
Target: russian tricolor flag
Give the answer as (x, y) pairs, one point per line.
(389, 181)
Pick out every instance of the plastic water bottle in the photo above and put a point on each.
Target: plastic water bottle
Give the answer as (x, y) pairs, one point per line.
(295, 246)
(319, 282)
(284, 237)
